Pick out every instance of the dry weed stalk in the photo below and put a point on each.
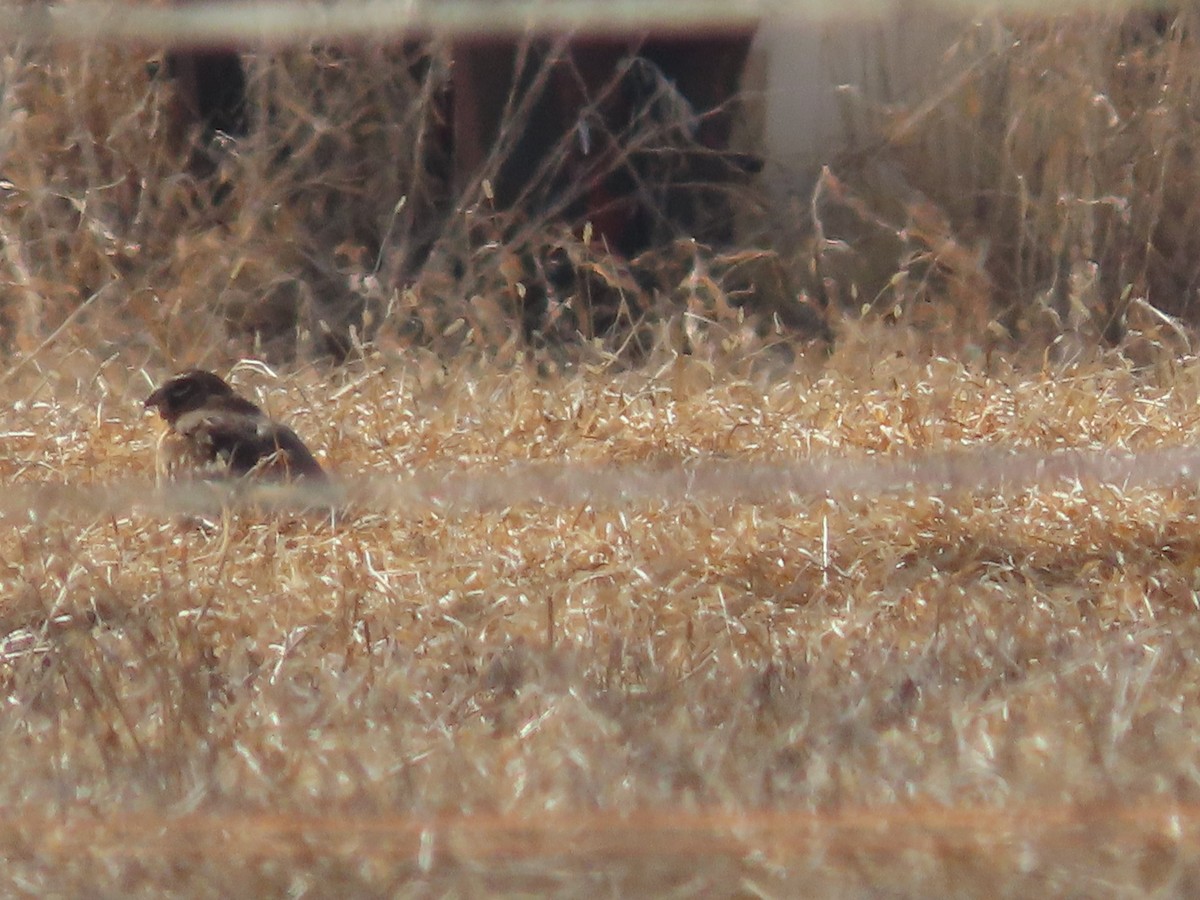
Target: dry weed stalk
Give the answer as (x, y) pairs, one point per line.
(1037, 195)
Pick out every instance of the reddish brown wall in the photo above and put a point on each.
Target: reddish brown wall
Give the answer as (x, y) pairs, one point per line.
(553, 88)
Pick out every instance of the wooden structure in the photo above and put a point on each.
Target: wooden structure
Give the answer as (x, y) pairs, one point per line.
(569, 104)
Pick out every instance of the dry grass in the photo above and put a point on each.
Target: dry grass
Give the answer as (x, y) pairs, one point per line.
(331, 223)
(1037, 197)
(566, 638)
(1036, 194)
(917, 690)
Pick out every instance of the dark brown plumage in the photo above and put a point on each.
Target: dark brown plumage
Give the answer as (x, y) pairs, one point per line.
(213, 432)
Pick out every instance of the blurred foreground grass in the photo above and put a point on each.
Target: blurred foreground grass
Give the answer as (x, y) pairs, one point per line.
(980, 689)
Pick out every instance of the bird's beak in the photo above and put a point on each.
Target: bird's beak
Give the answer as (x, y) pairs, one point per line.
(154, 401)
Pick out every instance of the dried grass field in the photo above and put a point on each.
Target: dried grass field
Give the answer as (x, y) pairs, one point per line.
(474, 687)
(859, 558)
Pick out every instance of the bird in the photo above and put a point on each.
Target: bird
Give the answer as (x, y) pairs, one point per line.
(214, 433)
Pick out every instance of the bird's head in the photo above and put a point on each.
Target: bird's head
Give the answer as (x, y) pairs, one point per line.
(186, 392)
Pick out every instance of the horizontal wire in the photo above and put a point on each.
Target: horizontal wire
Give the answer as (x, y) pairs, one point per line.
(572, 484)
(225, 23)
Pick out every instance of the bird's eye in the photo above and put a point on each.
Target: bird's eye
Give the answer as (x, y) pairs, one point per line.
(181, 391)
